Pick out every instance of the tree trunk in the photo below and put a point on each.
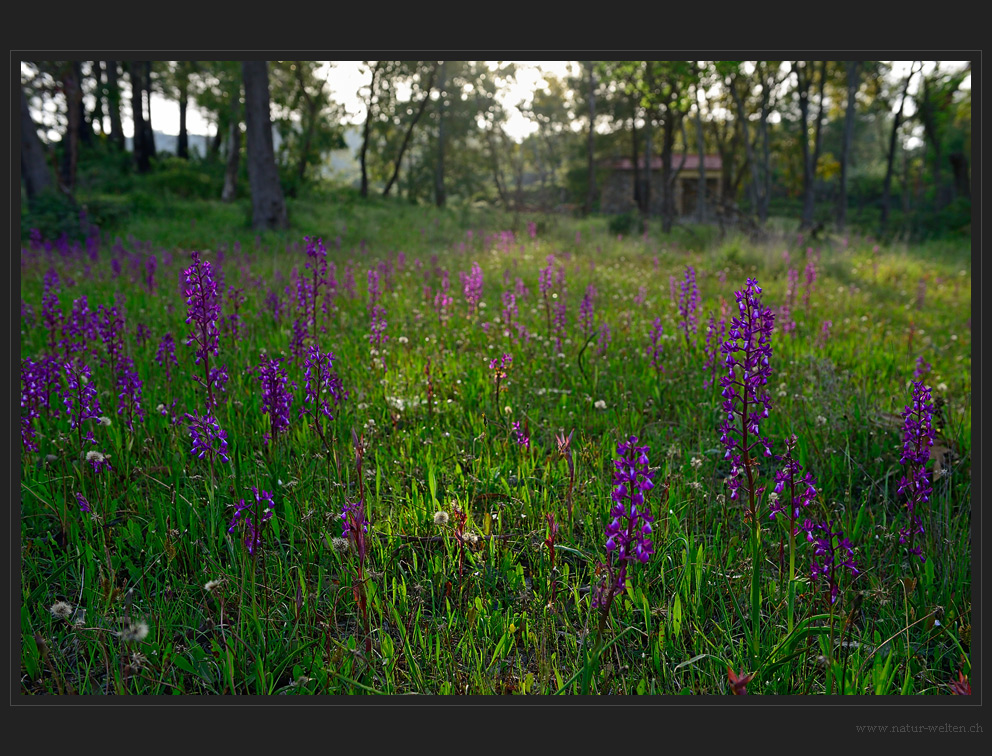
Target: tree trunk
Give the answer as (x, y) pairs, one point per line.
(845, 152)
(98, 96)
(494, 164)
(139, 148)
(312, 111)
(234, 151)
(149, 132)
(728, 146)
(215, 143)
(804, 142)
(962, 183)
(891, 157)
(268, 205)
(939, 194)
(74, 98)
(409, 132)
(182, 146)
(646, 178)
(439, 192)
(701, 212)
(304, 161)
(634, 160)
(518, 186)
(755, 184)
(906, 194)
(34, 168)
(765, 167)
(367, 131)
(85, 128)
(114, 105)
(810, 157)
(667, 174)
(591, 144)
(817, 132)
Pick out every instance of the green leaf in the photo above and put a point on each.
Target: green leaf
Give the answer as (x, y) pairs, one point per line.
(693, 660)
(859, 521)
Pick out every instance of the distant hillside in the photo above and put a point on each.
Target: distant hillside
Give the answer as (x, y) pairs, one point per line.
(341, 164)
(198, 143)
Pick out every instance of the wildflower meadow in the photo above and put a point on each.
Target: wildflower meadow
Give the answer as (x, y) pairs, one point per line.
(494, 455)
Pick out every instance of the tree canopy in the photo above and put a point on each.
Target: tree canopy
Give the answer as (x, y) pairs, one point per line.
(822, 142)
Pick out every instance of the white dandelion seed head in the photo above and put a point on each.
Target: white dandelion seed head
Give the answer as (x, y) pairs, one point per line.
(134, 632)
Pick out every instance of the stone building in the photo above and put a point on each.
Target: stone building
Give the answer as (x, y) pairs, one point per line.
(617, 194)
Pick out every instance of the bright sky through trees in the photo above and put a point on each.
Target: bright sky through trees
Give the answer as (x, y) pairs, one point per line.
(345, 79)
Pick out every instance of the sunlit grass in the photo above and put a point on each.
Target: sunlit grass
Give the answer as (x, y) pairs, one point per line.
(474, 614)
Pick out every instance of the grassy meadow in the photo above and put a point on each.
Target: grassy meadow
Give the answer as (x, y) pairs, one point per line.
(427, 510)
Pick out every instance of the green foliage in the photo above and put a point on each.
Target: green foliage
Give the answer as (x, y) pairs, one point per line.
(309, 123)
(110, 211)
(952, 221)
(624, 223)
(53, 213)
(174, 177)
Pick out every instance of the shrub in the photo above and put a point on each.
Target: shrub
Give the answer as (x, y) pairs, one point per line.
(182, 178)
(625, 223)
(53, 214)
